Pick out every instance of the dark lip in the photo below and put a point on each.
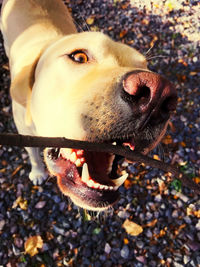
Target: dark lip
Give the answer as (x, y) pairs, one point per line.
(94, 198)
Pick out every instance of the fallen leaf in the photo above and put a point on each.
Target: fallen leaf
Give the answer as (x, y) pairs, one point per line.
(197, 213)
(151, 223)
(132, 228)
(145, 22)
(128, 184)
(152, 43)
(192, 73)
(162, 186)
(21, 202)
(167, 140)
(183, 144)
(126, 241)
(90, 20)
(16, 170)
(123, 33)
(156, 157)
(5, 66)
(182, 61)
(32, 244)
(196, 180)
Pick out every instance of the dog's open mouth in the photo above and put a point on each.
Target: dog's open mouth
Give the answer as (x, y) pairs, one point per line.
(85, 176)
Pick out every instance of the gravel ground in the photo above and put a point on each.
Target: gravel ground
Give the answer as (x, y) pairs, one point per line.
(166, 214)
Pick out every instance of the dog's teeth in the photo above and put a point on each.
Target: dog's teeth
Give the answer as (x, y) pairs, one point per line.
(119, 181)
(90, 183)
(96, 185)
(85, 173)
(73, 157)
(78, 163)
(66, 152)
(114, 143)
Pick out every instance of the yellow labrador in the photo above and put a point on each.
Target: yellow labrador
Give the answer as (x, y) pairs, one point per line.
(81, 86)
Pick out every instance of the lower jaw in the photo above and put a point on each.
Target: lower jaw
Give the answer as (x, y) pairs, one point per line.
(88, 198)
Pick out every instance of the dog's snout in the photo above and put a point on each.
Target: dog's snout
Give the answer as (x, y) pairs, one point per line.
(149, 93)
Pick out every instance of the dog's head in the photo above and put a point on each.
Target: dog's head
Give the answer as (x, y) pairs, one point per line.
(88, 87)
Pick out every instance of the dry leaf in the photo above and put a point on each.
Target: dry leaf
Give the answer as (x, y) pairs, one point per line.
(132, 228)
(16, 170)
(128, 184)
(123, 33)
(151, 223)
(167, 140)
(32, 244)
(90, 20)
(126, 241)
(196, 180)
(156, 157)
(152, 43)
(20, 201)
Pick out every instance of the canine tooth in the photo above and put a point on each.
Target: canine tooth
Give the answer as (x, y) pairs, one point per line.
(114, 143)
(73, 157)
(119, 181)
(85, 173)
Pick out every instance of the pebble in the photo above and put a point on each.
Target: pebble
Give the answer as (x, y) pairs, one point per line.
(198, 225)
(2, 223)
(58, 230)
(186, 259)
(175, 214)
(123, 214)
(107, 248)
(40, 204)
(141, 259)
(176, 264)
(140, 244)
(124, 252)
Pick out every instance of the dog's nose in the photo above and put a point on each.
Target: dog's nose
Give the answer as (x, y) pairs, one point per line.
(150, 95)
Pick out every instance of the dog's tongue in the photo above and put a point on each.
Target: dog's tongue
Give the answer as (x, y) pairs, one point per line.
(130, 145)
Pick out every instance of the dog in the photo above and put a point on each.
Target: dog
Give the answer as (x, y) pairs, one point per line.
(81, 86)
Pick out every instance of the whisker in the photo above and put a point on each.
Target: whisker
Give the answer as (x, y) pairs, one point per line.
(148, 51)
(86, 25)
(79, 27)
(158, 56)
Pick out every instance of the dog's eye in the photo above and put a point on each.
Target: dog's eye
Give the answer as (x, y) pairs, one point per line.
(79, 57)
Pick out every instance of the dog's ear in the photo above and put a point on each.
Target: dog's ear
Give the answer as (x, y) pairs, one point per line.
(21, 88)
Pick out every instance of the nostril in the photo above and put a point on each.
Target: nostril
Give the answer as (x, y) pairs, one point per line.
(143, 94)
(169, 104)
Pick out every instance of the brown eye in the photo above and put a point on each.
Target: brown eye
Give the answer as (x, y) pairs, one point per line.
(79, 57)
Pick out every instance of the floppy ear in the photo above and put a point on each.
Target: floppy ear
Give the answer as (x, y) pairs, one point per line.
(21, 88)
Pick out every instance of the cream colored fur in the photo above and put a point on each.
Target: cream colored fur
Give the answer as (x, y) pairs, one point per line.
(48, 90)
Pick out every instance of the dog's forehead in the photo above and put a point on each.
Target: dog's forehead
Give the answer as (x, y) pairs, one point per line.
(98, 45)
